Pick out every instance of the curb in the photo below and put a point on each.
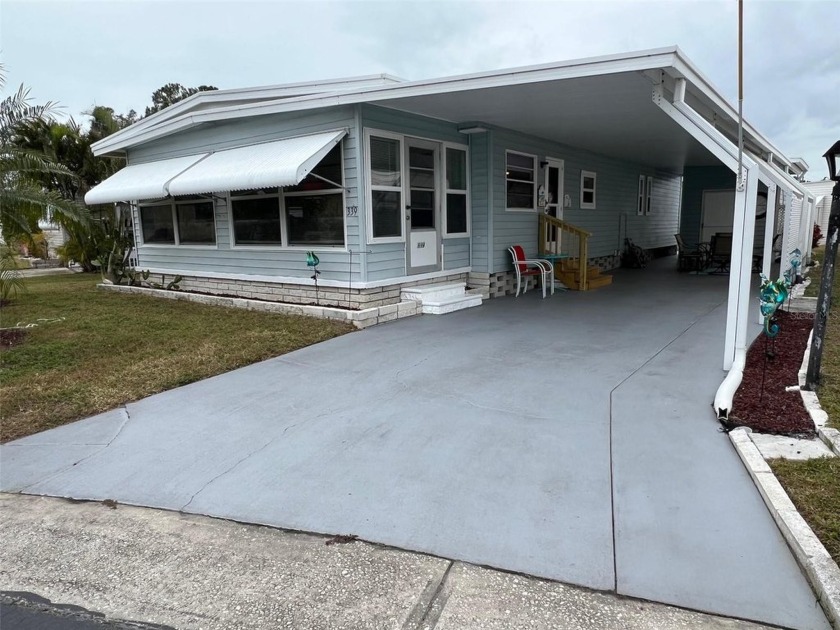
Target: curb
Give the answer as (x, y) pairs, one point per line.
(821, 570)
(819, 417)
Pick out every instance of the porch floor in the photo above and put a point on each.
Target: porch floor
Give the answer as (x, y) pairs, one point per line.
(570, 438)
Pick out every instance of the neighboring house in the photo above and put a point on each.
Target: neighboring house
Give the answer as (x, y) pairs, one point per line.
(394, 183)
(822, 193)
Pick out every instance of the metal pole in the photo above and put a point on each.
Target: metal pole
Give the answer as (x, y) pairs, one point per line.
(824, 301)
(740, 182)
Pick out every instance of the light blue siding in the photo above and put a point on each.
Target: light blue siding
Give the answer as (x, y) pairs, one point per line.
(480, 147)
(456, 253)
(616, 201)
(256, 261)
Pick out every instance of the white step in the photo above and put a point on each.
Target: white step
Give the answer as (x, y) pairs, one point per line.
(433, 292)
(437, 299)
(451, 304)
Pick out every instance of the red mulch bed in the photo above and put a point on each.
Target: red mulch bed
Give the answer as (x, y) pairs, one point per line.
(10, 337)
(761, 402)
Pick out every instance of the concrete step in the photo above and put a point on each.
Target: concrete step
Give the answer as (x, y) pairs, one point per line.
(451, 304)
(433, 292)
(437, 299)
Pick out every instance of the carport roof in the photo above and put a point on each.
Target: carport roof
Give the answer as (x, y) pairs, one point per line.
(603, 104)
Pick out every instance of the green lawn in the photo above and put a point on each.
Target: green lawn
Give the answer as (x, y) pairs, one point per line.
(829, 389)
(813, 487)
(99, 349)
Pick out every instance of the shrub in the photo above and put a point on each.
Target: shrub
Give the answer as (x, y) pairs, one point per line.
(815, 241)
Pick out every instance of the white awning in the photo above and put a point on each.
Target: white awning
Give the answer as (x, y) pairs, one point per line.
(279, 163)
(141, 181)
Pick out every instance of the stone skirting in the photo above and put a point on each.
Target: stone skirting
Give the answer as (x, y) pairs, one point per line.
(503, 283)
(359, 318)
(298, 293)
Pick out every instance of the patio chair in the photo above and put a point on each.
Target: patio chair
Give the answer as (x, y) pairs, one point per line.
(523, 267)
(720, 253)
(690, 258)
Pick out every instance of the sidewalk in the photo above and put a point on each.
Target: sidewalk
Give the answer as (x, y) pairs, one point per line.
(187, 571)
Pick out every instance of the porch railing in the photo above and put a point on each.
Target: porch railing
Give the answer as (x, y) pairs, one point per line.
(568, 246)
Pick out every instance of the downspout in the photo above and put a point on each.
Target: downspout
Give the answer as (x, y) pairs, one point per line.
(727, 389)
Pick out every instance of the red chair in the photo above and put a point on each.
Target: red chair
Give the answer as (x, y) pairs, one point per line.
(537, 267)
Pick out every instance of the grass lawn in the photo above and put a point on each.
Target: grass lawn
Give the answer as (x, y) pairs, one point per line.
(829, 389)
(98, 349)
(813, 487)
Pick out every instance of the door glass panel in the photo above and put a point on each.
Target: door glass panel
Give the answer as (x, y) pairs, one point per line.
(554, 183)
(421, 167)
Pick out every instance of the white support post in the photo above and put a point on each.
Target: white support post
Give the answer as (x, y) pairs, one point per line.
(740, 269)
(769, 231)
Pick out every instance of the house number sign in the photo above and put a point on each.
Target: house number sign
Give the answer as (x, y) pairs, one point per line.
(352, 211)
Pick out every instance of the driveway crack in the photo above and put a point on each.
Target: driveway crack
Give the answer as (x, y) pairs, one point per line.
(125, 421)
(230, 469)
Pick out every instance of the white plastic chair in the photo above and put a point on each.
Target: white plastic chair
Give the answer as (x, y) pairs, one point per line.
(535, 267)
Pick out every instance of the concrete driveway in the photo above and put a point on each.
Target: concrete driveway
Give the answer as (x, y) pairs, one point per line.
(570, 438)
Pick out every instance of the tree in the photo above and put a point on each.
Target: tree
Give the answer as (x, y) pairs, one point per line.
(24, 198)
(171, 93)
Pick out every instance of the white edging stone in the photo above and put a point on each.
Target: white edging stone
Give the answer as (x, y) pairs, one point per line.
(360, 319)
(830, 436)
(821, 570)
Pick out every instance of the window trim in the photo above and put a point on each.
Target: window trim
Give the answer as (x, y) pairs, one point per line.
(371, 239)
(445, 233)
(173, 205)
(589, 205)
(533, 209)
(640, 201)
(649, 195)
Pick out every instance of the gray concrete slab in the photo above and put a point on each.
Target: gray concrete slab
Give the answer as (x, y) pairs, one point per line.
(485, 436)
(189, 572)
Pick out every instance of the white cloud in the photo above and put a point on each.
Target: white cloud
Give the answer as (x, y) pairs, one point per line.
(117, 53)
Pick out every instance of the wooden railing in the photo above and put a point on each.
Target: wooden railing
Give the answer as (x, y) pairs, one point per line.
(567, 245)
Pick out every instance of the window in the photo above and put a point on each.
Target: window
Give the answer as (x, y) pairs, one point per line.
(315, 207)
(309, 214)
(196, 223)
(640, 206)
(182, 221)
(648, 195)
(587, 190)
(521, 181)
(157, 223)
(456, 192)
(386, 187)
(256, 220)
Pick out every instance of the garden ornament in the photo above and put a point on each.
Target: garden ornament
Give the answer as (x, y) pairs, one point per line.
(771, 296)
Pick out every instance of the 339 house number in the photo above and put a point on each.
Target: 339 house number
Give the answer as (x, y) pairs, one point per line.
(352, 211)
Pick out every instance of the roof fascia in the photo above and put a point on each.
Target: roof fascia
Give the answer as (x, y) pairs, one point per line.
(183, 107)
(696, 78)
(594, 66)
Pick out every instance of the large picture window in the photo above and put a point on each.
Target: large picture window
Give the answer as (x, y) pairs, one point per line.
(456, 192)
(182, 221)
(310, 214)
(520, 176)
(386, 187)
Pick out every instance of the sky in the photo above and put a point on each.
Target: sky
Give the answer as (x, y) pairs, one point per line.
(117, 52)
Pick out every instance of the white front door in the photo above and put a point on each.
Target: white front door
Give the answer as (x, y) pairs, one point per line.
(553, 187)
(422, 215)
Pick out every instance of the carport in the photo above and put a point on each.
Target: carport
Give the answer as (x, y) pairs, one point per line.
(568, 438)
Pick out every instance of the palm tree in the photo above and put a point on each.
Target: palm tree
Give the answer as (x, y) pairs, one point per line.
(24, 197)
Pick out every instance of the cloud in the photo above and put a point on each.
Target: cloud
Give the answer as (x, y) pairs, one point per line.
(117, 53)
